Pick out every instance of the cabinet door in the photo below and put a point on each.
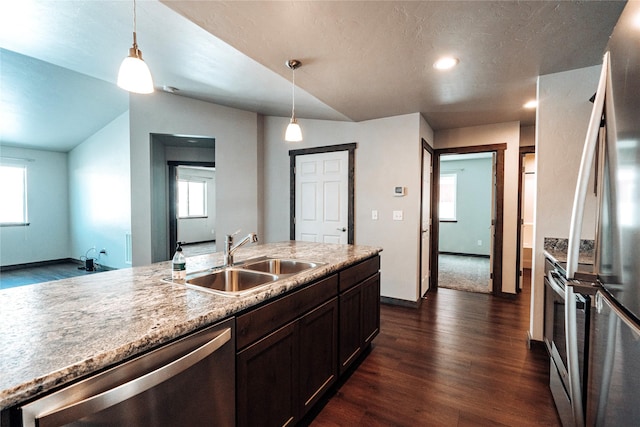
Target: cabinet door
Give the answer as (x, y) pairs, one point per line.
(350, 326)
(267, 380)
(318, 353)
(370, 308)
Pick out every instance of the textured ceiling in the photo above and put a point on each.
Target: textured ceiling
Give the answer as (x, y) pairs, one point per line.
(370, 59)
(361, 59)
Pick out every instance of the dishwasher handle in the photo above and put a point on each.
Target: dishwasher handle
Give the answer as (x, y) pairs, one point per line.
(134, 387)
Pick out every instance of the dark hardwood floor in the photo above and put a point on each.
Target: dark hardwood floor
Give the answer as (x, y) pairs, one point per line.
(459, 360)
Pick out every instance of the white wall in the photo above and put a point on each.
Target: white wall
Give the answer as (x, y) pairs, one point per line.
(47, 236)
(236, 135)
(388, 155)
(499, 133)
(562, 119)
(100, 195)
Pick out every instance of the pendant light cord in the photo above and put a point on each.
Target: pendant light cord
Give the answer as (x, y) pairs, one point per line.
(135, 42)
(293, 95)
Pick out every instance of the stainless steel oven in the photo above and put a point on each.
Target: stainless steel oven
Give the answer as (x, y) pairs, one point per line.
(188, 382)
(555, 340)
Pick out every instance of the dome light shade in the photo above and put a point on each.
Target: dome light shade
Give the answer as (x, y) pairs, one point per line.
(293, 132)
(134, 75)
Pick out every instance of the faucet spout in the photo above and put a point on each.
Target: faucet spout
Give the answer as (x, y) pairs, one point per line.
(230, 248)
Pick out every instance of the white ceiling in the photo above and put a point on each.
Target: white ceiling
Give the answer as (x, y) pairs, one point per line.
(361, 59)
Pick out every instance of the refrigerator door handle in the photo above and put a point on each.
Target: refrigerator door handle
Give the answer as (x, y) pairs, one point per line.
(573, 367)
(582, 185)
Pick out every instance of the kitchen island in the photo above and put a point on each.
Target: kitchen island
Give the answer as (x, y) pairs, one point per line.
(57, 332)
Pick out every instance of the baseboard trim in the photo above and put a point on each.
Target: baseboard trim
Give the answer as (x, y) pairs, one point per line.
(535, 345)
(37, 264)
(400, 302)
(463, 254)
(101, 267)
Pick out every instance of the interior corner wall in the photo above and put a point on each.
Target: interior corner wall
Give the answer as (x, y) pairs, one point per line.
(527, 136)
(99, 195)
(47, 236)
(387, 155)
(236, 135)
(499, 133)
(562, 119)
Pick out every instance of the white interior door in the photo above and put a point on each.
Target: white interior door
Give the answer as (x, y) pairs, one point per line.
(425, 265)
(322, 210)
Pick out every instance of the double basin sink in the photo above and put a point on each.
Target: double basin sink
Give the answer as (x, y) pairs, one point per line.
(248, 276)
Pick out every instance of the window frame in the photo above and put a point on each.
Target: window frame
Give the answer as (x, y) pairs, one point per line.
(24, 197)
(188, 180)
(453, 218)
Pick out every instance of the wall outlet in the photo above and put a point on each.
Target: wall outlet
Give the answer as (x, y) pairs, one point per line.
(374, 214)
(397, 215)
(103, 251)
(479, 242)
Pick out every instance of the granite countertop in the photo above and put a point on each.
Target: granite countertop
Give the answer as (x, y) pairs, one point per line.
(556, 249)
(55, 332)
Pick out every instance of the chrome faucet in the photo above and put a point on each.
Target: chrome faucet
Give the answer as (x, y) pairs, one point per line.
(229, 249)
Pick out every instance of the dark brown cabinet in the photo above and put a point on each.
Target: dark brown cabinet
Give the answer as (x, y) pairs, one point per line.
(282, 375)
(267, 376)
(359, 309)
(292, 349)
(318, 332)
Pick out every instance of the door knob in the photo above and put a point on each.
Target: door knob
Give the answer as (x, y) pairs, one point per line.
(343, 229)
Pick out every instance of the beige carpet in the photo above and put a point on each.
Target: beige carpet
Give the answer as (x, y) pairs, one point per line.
(463, 273)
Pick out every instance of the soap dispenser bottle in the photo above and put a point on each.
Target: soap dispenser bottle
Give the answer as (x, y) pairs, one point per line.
(179, 265)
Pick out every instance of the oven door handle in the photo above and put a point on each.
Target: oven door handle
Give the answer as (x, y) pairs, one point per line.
(134, 387)
(573, 366)
(553, 277)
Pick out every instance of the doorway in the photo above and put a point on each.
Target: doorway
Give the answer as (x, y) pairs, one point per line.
(467, 222)
(425, 218)
(167, 153)
(526, 200)
(322, 194)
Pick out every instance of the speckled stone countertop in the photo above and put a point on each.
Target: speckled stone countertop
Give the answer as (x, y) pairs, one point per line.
(556, 249)
(55, 332)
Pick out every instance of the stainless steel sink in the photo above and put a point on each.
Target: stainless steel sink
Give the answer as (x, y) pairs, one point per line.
(230, 281)
(279, 266)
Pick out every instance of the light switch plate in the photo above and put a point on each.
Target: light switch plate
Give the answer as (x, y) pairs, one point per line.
(374, 214)
(397, 215)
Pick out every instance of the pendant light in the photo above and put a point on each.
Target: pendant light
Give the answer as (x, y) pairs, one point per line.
(134, 75)
(293, 132)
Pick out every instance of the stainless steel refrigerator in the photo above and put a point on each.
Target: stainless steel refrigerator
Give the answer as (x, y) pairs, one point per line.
(613, 382)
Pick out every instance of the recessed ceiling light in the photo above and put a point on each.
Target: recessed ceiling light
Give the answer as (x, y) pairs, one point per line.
(446, 63)
(531, 104)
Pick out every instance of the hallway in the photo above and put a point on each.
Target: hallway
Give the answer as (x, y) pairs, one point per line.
(459, 360)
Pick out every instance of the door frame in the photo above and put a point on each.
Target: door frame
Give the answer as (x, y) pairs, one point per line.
(427, 147)
(498, 238)
(173, 197)
(351, 147)
(523, 152)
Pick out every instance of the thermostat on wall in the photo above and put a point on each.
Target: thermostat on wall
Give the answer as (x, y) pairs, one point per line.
(398, 191)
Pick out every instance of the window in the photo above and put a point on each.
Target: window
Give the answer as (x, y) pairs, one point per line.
(13, 193)
(448, 195)
(192, 199)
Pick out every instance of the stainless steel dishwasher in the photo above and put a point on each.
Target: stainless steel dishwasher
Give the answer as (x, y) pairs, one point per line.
(189, 382)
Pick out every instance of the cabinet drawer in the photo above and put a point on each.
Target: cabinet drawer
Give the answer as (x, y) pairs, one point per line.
(357, 273)
(261, 321)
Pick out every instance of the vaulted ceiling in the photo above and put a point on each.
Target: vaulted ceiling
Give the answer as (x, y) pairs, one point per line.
(361, 59)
